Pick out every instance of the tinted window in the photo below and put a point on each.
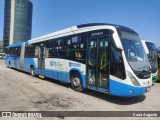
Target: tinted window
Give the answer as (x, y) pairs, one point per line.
(14, 51)
(30, 51)
(71, 47)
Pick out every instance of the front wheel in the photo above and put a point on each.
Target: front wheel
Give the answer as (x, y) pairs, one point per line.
(76, 82)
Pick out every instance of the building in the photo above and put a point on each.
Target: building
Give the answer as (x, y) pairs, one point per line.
(1, 45)
(17, 21)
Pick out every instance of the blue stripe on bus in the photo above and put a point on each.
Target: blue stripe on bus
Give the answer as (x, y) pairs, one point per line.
(121, 89)
(27, 42)
(97, 88)
(54, 74)
(64, 76)
(116, 88)
(14, 62)
(27, 63)
(57, 75)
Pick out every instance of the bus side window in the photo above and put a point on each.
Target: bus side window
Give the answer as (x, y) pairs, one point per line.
(18, 51)
(117, 68)
(29, 51)
(13, 51)
(67, 45)
(48, 49)
(36, 52)
(80, 51)
(58, 51)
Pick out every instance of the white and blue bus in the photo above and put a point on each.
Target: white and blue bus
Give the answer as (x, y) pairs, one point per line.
(103, 57)
(158, 59)
(152, 55)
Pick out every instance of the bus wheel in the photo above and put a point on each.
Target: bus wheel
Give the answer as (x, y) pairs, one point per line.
(76, 82)
(32, 71)
(9, 64)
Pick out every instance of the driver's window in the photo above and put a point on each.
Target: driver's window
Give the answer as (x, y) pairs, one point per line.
(117, 68)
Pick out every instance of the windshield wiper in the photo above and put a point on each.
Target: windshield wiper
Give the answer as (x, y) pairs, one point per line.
(142, 68)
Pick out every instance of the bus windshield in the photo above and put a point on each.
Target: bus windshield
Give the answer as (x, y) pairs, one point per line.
(158, 59)
(152, 56)
(134, 52)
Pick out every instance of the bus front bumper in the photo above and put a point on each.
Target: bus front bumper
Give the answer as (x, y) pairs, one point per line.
(124, 90)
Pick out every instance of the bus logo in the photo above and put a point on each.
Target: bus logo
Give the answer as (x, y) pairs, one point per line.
(97, 33)
(56, 64)
(52, 63)
(74, 64)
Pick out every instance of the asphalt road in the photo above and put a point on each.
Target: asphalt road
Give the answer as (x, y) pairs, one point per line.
(21, 92)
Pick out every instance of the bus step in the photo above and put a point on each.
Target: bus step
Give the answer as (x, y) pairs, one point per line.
(41, 76)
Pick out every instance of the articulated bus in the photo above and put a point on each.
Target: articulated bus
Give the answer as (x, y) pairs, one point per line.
(104, 57)
(152, 55)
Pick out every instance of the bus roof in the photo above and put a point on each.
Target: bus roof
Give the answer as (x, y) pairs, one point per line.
(14, 45)
(70, 31)
(150, 45)
(100, 24)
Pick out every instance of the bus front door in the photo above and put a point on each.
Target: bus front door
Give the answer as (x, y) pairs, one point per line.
(98, 63)
(41, 60)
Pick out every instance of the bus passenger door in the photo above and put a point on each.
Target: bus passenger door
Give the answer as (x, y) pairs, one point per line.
(98, 63)
(41, 60)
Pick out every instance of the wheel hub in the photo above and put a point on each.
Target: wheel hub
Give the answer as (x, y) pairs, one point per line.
(76, 82)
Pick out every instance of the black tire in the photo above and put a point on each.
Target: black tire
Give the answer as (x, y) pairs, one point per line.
(32, 71)
(76, 82)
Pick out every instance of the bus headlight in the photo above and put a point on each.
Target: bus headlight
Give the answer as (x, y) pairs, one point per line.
(133, 79)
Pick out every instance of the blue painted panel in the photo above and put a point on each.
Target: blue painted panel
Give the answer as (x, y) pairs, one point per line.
(36, 71)
(48, 73)
(41, 72)
(120, 89)
(18, 63)
(27, 63)
(84, 81)
(12, 61)
(97, 88)
(102, 89)
(91, 87)
(63, 76)
(57, 75)
(54, 74)
(27, 42)
(14, 45)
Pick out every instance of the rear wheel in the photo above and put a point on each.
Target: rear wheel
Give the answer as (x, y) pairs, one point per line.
(9, 64)
(32, 71)
(76, 82)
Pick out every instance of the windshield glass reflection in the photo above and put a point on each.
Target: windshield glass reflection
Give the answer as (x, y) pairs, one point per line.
(134, 52)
